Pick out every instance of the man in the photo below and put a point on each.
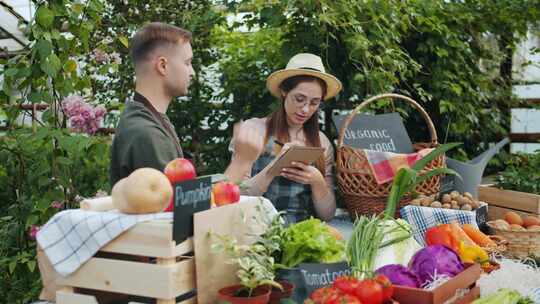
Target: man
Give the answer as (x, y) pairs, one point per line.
(145, 137)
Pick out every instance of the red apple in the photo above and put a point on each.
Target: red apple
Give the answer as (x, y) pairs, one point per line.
(178, 170)
(225, 193)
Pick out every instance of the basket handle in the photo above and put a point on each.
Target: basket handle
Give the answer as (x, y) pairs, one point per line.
(429, 122)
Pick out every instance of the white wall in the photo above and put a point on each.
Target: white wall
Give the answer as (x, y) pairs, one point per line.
(530, 73)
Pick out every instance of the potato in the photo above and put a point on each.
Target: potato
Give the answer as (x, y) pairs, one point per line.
(436, 204)
(455, 207)
(468, 195)
(454, 194)
(466, 207)
(462, 200)
(425, 202)
(446, 199)
(515, 227)
(447, 206)
(474, 204)
(415, 202)
(513, 218)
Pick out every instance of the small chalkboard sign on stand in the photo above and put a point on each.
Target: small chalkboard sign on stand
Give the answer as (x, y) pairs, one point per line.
(189, 197)
(382, 132)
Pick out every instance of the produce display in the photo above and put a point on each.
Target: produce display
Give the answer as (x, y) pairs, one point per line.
(399, 252)
(452, 200)
(384, 258)
(514, 222)
(310, 241)
(466, 240)
(181, 169)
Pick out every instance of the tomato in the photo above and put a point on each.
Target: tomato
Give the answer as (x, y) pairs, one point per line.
(387, 287)
(347, 285)
(326, 295)
(369, 292)
(349, 299)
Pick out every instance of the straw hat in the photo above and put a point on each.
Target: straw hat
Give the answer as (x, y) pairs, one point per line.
(303, 64)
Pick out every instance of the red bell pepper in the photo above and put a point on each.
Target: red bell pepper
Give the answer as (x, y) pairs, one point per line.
(442, 235)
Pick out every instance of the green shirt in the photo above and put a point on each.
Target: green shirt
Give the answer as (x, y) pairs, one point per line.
(140, 141)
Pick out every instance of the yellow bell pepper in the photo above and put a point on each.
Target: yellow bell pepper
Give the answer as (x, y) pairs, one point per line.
(473, 254)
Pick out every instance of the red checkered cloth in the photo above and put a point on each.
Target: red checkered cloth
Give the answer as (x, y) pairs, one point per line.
(384, 165)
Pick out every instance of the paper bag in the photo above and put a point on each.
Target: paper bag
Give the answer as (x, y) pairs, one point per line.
(212, 270)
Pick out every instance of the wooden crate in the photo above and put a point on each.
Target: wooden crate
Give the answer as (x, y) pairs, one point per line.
(444, 292)
(502, 201)
(143, 262)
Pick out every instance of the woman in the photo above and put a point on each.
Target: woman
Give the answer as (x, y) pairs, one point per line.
(300, 190)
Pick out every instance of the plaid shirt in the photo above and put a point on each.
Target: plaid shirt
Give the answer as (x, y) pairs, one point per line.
(286, 195)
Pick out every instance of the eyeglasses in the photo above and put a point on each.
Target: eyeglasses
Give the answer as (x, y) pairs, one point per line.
(301, 102)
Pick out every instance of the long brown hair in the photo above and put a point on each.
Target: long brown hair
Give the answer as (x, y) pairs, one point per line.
(277, 124)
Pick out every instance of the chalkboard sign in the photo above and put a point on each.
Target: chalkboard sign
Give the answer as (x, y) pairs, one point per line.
(383, 132)
(317, 275)
(189, 197)
(481, 217)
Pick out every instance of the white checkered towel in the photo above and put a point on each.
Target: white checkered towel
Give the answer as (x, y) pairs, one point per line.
(423, 218)
(72, 237)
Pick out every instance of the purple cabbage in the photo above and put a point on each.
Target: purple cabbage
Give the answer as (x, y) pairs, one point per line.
(399, 275)
(437, 259)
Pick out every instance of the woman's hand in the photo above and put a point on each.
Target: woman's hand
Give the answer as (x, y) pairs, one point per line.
(248, 142)
(304, 174)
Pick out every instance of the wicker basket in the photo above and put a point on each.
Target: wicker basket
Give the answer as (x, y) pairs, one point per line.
(521, 244)
(501, 245)
(362, 194)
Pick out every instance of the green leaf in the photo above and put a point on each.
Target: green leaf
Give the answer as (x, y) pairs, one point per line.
(35, 97)
(64, 161)
(419, 165)
(44, 48)
(12, 266)
(31, 265)
(41, 205)
(437, 171)
(51, 65)
(70, 66)
(44, 16)
(77, 8)
(124, 41)
(24, 72)
(32, 220)
(11, 72)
